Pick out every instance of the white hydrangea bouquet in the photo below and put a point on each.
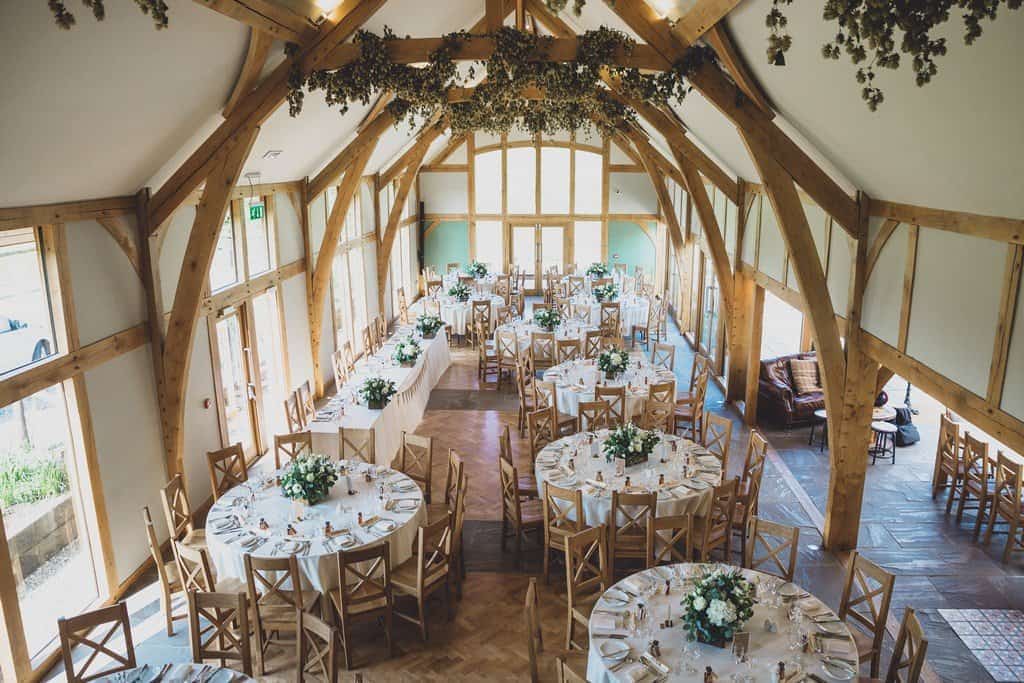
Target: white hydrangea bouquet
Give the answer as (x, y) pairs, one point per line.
(719, 605)
(612, 362)
(606, 292)
(460, 291)
(477, 269)
(309, 478)
(376, 392)
(631, 443)
(596, 270)
(428, 324)
(407, 351)
(547, 318)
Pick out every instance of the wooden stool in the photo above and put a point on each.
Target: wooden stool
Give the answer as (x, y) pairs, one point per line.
(885, 441)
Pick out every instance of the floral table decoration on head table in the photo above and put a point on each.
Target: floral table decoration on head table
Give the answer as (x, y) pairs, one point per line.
(477, 269)
(460, 291)
(376, 392)
(612, 362)
(309, 478)
(630, 443)
(596, 270)
(720, 603)
(547, 318)
(428, 324)
(407, 351)
(606, 292)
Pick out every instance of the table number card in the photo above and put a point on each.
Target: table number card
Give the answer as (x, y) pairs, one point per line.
(741, 643)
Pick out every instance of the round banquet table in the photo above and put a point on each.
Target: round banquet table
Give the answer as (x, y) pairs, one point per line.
(575, 381)
(232, 526)
(632, 309)
(765, 651)
(459, 314)
(480, 285)
(567, 330)
(177, 673)
(678, 496)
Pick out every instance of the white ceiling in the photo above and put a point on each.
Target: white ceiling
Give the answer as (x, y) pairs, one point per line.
(109, 107)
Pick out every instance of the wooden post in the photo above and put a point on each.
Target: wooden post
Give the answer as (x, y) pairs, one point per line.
(755, 321)
(739, 336)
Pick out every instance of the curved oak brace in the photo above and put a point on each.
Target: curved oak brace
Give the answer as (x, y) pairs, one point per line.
(387, 240)
(888, 228)
(255, 59)
(125, 239)
(195, 270)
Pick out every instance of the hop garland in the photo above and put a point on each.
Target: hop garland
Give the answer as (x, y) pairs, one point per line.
(573, 94)
(65, 19)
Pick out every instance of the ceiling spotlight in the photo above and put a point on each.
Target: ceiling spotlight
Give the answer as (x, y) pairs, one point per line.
(271, 154)
(326, 7)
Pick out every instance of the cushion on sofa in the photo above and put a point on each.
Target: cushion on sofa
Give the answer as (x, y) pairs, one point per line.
(805, 375)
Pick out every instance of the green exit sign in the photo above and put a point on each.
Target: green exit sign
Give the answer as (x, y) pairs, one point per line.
(256, 212)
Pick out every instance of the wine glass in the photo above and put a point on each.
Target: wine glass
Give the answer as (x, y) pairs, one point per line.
(691, 653)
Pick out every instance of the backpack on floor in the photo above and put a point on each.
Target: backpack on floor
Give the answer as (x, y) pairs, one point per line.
(906, 435)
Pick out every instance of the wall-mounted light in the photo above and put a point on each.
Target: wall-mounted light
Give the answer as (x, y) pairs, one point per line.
(326, 7)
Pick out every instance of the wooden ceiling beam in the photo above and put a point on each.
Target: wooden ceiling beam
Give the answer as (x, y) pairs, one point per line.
(702, 18)
(494, 16)
(753, 123)
(15, 217)
(719, 39)
(252, 67)
(253, 109)
(265, 16)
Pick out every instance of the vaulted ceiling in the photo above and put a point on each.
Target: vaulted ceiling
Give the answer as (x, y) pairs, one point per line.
(109, 107)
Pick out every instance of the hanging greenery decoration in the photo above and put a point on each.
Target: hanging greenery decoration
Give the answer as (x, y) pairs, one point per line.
(65, 19)
(521, 88)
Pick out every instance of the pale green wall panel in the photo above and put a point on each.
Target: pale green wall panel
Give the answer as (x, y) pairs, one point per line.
(633, 246)
(447, 243)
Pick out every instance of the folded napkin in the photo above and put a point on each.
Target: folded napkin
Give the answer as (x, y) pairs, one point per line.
(834, 646)
(636, 673)
(654, 663)
(222, 524)
(605, 622)
(636, 583)
(597, 484)
(370, 521)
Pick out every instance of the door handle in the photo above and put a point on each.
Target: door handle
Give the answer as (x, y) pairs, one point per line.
(251, 390)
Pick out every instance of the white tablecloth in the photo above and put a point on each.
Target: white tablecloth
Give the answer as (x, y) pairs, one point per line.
(575, 382)
(483, 285)
(679, 496)
(178, 673)
(632, 310)
(567, 330)
(458, 314)
(404, 411)
(319, 564)
(766, 648)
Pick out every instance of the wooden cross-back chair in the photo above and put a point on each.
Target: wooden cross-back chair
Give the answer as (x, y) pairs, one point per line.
(616, 399)
(503, 286)
(975, 482)
(416, 460)
(364, 592)
(178, 513)
(546, 396)
(505, 315)
(664, 356)
(592, 344)
(103, 659)
(662, 391)
(366, 340)
(575, 285)
(382, 330)
(582, 313)
(527, 393)
(657, 415)
(196, 572)
(714, 531)
(506, 348)
(219, 628)
(288, 447)
(593, 415)
(689, 415)
(519, 513)
(947, 460)
(166, 572)
(909, 651)
(869, 609)
(540, 430)
(338, 368)
(526, 483)
(567, 350)
(780, 543)
(586, 577)
(610, 321)
(542, 350)
(648, 329)
(717, 437)
(628, 521)
(1008, 504)
(452, 482)
(403, 305)
(753, 463)
(315, 653)
(434, 287)
(517, 300)
(348, 357)
(564, 306)
(487, 356)
(293, 412)
(227, 468)
(427, 571)
(458, 560)
(306, 403)
(670, 539)
(375, 340)
(563, 516)
(357, 444)
(452, 266)
(274, 587)
(481, 317)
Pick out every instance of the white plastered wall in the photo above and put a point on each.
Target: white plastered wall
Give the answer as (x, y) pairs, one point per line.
(446, 192)
(883, 295)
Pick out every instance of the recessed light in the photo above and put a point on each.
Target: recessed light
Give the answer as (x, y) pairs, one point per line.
(272, 154)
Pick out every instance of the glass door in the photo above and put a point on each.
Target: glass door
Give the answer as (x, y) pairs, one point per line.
(552, 247)
(525, 254)
(269, 356)
(239, 397)
(537, 248)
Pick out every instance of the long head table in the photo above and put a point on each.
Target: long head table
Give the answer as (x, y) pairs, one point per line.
(403, 413)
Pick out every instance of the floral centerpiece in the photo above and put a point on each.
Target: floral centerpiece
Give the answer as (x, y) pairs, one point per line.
(596, 270)
(477, 269)
(719, 605)
(606, 292)
(428, 324)
(547, 318)
(407, 351)
(460, 291)
(309, 478)
(630, 443)
(612, 362)
(376, 392)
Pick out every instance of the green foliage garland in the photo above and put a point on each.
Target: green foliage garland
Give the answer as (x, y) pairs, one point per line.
(573, 92)
(65, 19)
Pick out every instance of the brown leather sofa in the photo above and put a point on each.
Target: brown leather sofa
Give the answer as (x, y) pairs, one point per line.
(778, 400)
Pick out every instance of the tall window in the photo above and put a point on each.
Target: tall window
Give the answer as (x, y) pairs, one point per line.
(349, 279)
(245, 246)
(258, 244)
(224, 270)
(555, 173)
(781, 327)
(489, 244)
(522, 180)
(26, 326)
(488, 182)
(587, 239)
(589, 182)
